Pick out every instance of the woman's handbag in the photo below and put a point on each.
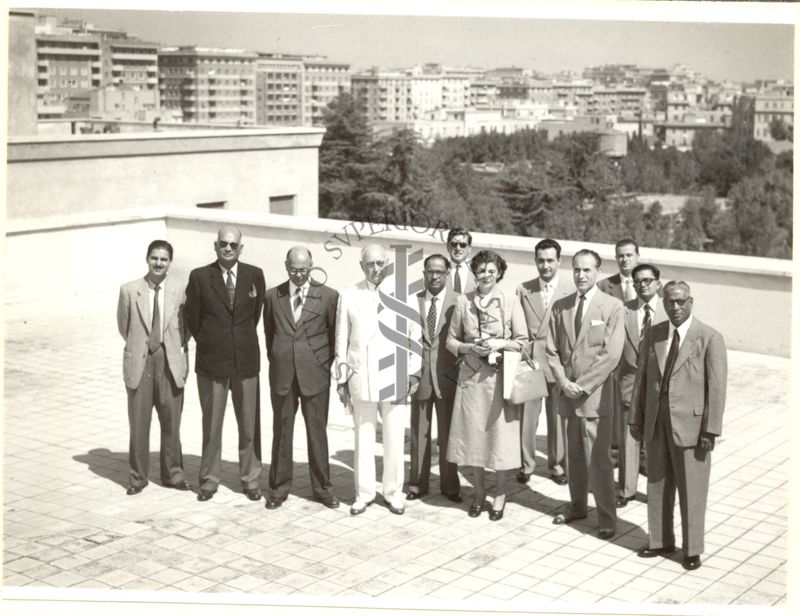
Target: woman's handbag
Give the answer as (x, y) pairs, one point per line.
(522, 379)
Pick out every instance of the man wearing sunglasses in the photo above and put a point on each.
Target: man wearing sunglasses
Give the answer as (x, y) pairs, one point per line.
(640, 314)
(677, 404)
(459, 246)
(223, 308)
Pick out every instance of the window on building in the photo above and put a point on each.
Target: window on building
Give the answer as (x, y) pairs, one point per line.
(210, 205)
(284, 204)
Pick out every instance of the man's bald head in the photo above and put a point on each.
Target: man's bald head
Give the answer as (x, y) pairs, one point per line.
(373, 262)
(298, 264)
(228, 246)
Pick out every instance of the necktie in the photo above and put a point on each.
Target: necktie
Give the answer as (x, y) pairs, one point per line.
(546, 295)
(579, 316)
(629, 292)
(432, 318)
(673, 353)
(297, 305)
(154, 341)
(231, 287)
(457, 281)
(647, 320)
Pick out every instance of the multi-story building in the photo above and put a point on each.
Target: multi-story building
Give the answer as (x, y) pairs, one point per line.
(67, 64)
(208, 85)
(768, 108)
(323, 81)
(279, 89)
(622, 101)
(123, 103)
(579, 94)
(130, 62)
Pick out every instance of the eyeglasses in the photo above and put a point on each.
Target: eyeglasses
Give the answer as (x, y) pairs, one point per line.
(298, 272)
(233, 245)
(433, 273)
(643, 282)
(379, 264)
(458, 244)
(679, 302)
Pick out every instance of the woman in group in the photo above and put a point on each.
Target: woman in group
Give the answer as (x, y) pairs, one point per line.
(484, 433)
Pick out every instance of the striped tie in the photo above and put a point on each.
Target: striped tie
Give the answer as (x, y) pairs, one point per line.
(432, 318)
(231, 287)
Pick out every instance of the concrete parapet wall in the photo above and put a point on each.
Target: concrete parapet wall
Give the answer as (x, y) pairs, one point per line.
(242, 167)
(94, 253)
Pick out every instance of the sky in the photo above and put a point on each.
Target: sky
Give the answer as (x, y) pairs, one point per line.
(720, 51)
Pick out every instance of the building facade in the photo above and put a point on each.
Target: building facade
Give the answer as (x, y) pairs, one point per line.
(279, 90)
(323, 81)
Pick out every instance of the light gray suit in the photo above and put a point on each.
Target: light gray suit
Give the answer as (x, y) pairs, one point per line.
(153, 379)
(537, 318)
(589, 361)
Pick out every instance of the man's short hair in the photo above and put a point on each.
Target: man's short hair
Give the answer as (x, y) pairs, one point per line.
(459, 231)
(680, 284)
(488, 256)
(436, 256)
(308, 252)
(626, 242)
(159, 245)
(545, 244)
(646, 266)
(585, 252)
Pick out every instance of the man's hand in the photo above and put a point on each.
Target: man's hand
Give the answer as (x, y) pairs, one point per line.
(413, 385)
(706, 442)
(481, 349)
(572, 391)
(495, 344)
(344, 393)
(636, 431)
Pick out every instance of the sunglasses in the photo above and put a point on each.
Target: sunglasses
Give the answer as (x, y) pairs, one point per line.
(458, 244)
(233, 245)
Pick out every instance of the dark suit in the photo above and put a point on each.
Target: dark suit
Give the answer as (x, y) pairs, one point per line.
(227, 359)
(589, 361)
(671, 422)
(437, 387)
(300, 356)
(153, 378)
(630, 448)
(537, 318)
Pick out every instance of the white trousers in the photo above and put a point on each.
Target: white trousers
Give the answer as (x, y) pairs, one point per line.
(365, 419)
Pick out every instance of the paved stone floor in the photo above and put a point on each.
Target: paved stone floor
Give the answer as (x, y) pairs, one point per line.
(68, 524)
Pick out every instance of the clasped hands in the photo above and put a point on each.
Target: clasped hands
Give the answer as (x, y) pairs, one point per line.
(705, 442)
(488, 345)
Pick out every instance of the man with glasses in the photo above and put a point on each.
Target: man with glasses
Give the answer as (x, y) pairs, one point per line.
(640, 314)
(362, 349)
(537, 297)
(459, 247)
(299, 330)
(436, 386)
(677, 404)
(223, 307)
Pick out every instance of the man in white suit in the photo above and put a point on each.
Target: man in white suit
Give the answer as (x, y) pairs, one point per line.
(584, 345)
(361, 350)
(537, 297)
(151, 321)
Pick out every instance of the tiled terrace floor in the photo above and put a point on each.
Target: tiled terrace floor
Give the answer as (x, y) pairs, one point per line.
(68, 524)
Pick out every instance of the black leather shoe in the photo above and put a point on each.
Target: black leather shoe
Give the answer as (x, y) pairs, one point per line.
(523, 477)
(204, 495)
(331, 502)
(396, 510)
(653, 552)
(273, 502)
(181, 485)
(134, 490)
(454, 498)
(414, 496)
(606, 533)
(253, 494)
(624, 500)
(560, 479)
(497, 514)
(475, 509)
(690, 563)
(566, 518)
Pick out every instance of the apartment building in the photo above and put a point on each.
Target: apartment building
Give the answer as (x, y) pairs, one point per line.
(323, 81)
(279, 90)
(208, 85)
(771, 107)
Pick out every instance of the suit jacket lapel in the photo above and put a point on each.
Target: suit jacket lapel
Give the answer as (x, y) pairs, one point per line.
(535, 299)
(244, 284)
(143, 305)
(632, 327)
(449, 300)
(170, 301)
(215, 280)
(423, 316)
(285, 302)
(309, 306)
(660, 346)
(587, 308)
(686, 347)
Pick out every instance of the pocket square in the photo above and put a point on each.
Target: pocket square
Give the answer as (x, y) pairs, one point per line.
(597, 322)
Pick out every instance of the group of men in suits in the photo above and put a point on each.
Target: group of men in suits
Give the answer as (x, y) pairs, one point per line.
(612, 352)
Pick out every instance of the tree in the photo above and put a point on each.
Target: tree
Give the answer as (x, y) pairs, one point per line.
(762, 211)
(780, 130)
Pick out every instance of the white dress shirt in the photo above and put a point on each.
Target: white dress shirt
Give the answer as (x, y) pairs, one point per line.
(588, 295)
(653, 303)
(682, 330)
(548, 290)
(234, 271)
(464, 272)
(439, 302)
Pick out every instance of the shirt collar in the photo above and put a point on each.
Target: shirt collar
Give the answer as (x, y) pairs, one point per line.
(293, 287)
(152, 285)
(370, 285)
(588, 295)
(552, 284)
(682, 330)
(440, 296)
(653, 303)
(234, 270)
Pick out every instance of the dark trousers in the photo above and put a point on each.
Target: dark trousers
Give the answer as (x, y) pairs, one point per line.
(421, 416)
(213, 395)
(589, 455)
(315, 415)
(631, 454)
(670, 467)
(556, 434)
(155, 389)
